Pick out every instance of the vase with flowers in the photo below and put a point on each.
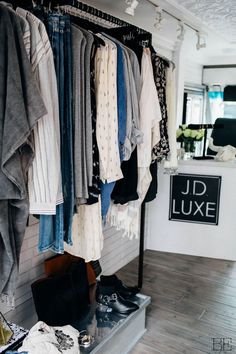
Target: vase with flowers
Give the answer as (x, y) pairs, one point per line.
(188, 139)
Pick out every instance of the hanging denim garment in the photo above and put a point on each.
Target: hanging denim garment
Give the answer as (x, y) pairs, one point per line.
(107, 188)
(55, 229)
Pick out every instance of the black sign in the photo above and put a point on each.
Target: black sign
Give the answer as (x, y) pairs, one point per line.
(195, 198)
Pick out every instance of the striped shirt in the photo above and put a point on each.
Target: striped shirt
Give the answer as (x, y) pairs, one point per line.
(44, 177)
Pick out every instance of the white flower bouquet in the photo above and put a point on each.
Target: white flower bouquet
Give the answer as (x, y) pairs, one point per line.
(188, 137)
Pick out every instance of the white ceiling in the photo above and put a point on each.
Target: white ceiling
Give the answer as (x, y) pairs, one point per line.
(220, 15)
(217, 19)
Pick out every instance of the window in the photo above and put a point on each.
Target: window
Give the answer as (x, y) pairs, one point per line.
(230, 102)
(193, 106)
(230, 110)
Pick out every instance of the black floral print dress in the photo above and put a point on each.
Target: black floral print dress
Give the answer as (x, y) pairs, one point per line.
(162, 149)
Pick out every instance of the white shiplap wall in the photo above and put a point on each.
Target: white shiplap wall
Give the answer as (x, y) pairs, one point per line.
(117, 252)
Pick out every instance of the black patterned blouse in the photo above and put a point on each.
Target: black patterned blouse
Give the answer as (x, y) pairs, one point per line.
(162, 149)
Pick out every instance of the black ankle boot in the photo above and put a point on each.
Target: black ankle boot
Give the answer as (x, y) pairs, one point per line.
(125, 291)
(109, 300)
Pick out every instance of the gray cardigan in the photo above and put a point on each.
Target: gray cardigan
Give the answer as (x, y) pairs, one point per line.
(21, 107)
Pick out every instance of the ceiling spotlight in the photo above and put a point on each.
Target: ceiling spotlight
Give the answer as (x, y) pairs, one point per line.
(181, 31)
(159, 20)
(201, 43)
(132, 5)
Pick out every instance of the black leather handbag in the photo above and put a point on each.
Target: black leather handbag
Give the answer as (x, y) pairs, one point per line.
(62, 299)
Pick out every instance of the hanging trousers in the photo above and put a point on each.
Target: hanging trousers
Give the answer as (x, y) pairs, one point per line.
(55, 229)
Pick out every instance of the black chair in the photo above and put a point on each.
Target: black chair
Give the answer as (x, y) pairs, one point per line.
(223, 133)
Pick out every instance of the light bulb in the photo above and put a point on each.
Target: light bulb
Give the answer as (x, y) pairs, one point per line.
(181, 29)
(130, 10)
(200, 41)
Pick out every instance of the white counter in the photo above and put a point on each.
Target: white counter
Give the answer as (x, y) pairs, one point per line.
(217, 241)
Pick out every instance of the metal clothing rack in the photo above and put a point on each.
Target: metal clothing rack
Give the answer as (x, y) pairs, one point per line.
(120, 23)
(98, 13)
(141, 246)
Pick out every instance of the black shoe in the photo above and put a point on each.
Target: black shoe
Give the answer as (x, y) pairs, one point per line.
(108, 300)
(125, 291)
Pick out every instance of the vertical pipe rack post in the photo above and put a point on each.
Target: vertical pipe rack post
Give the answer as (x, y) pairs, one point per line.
(141, 247)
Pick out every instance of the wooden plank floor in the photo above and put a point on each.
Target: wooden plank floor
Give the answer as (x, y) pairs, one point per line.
(193, 301)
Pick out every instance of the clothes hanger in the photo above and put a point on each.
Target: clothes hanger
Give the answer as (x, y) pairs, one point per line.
(127, 31)
(84, 22)
(27, 5)
(132, 36)
(144, 39)
(50, 5)
(98, 41)
(81, 19)
(167, 61)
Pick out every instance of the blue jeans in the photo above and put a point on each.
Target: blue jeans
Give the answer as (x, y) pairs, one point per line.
(55, 229)
(107, 188)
